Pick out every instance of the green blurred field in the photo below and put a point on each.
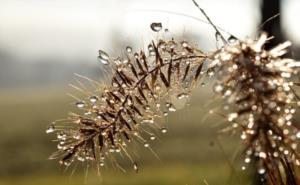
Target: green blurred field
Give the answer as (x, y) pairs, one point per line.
(189, 153)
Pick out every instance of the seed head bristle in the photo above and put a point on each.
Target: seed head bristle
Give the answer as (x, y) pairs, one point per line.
(257, 85)
(128, 108)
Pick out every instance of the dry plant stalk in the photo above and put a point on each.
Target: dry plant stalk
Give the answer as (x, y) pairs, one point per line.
(141, 91)
(256, 85)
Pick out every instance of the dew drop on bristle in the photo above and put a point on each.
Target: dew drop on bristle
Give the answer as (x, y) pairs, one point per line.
(164, 130)
(93, 99)
(181, 96)
(135, 167)
(172, 109)
(184, 44)
(156, 26)
(128, 49)
(217, 36)
(232, 39)
(152, 137)
(103, 57)
(80, 104)
(261, 171)
(218, 88)
(50, 129)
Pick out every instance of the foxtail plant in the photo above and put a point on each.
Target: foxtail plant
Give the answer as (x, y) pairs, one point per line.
(256, 85)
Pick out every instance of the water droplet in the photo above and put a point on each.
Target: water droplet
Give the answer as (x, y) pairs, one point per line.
(262, 155)
(202, 84)
(217, 36)
(61, 136)
(150, 47)
(77, 136)
(152, 137)
(232, 39)
(93, 99)
(164, 130)
(103, 57)
(50, 129)
(298, 134)
(136, 55)
(80, 104)
(172, 109)
(218, 88)
(243, 136)
(66, 163)
(247, 160)
(156, 26)
(128, 49)
(146, 145)
(210, 72)
(232, 116)
(184, 44)
(261, 171)
(181, 96)
(243, 167)
(79, 158)
(101, 164)
(135, 167)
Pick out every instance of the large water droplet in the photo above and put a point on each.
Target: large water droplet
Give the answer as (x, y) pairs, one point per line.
(247, 160)
(156, 26)
(182, 95)
(80, 158)
(261, 170)
(93, 99)
(172, 109)
(150, 48)
(217, 36)
(128, 49)
(262, 155)
(232, 116)
(66, 163)
(184, 44)
(152, 137)
(50, 129)
(298, 135)
(232, 39)
(103, 57)
(135, 167)
(80, 104)
(218, 88)
(210, 72)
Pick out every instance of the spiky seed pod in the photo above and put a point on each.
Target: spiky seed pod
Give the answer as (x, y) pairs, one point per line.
(257, 86)
(141, 91)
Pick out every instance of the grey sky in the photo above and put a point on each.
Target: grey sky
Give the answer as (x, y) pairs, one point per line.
(77, 29)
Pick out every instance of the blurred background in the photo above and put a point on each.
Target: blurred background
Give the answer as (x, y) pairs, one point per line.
(44, 42)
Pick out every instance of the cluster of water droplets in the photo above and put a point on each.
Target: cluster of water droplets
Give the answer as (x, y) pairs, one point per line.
(245, 92)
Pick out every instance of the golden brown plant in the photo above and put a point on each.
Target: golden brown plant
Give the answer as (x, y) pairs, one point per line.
(255, 84)
(143, 89)
(257, 88)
